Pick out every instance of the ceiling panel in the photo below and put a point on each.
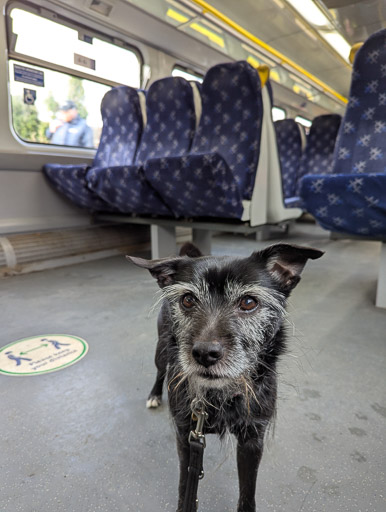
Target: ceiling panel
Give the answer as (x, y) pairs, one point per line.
(361, 19)
(280, 28)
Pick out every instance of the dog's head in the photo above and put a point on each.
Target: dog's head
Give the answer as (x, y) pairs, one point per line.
(226, 311)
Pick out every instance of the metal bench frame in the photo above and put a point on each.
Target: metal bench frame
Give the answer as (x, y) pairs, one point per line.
(163, 231)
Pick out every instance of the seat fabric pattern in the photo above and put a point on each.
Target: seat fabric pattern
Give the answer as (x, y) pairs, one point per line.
(169, 132)
(198, 185)
(122, 128)
(232, 113)
(171, 120)
(360, 153)
(70, 181)
(319, 152)
(289, 145)
(229, 135)
(126, 190)
(347, 203)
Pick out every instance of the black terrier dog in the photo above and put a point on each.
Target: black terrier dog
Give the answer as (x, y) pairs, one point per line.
(221, 331)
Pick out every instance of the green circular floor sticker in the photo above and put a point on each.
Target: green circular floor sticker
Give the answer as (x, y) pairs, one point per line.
(41, 354)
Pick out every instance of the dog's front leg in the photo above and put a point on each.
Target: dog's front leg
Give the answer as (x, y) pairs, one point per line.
(183, 455)
(249, 452)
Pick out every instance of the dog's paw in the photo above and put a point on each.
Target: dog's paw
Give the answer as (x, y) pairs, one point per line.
(153, 402)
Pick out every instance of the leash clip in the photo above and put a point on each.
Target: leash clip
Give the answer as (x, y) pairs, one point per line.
(199, 415)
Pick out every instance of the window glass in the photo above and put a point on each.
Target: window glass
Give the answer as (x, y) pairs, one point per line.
(278, 113)
(55, 108)
(304, 121)
(188, 75)
(55, 43)
(59, 101)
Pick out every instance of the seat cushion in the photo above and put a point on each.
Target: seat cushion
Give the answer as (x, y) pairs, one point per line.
(348, 203)
(124, 188)
(70, 180)
(198, 185)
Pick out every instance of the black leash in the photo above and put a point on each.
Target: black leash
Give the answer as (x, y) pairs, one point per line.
(197, 445)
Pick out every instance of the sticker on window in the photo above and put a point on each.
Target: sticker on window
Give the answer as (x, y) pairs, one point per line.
(28, 75)
(86, 62)
(29, 96)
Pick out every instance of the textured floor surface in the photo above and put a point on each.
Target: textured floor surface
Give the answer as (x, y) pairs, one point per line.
(81, 439)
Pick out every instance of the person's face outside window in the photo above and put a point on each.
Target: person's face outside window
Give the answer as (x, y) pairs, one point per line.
(66, 116)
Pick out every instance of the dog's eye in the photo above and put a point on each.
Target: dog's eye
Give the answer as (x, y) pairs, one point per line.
(248, 303)
(188, 301)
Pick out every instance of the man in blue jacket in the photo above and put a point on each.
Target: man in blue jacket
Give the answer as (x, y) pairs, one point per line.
(69, 129)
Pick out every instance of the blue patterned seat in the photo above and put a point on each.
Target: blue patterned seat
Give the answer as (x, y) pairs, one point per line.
(353, 200)
(171, 122)
(220, 170)
(318, 155)
(289, 143)
(122, 129)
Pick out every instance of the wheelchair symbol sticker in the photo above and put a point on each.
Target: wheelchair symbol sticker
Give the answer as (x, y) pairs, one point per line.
(41, 354)
(29, 96)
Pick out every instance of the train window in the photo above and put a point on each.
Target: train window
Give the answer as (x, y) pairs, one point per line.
(304, 121)
(59, 74)
(187, 74)
(56, 108)
(278, 113)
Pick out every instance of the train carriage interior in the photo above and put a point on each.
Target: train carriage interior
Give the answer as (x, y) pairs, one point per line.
(130, 127)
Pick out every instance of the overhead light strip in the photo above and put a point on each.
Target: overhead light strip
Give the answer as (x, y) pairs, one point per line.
(282, 58)
(326, 28)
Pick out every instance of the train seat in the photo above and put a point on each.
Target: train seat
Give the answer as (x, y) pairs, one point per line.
(219, 172)
(278, 210)
(353, 199)
(122, 129)
(318, 155)
(171, 105)
(289, 143)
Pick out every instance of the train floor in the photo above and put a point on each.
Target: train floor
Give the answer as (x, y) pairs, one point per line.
(81, 440)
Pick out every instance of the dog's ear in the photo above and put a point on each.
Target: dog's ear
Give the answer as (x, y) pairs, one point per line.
(190, 250)
(285, 263)
(163, 269)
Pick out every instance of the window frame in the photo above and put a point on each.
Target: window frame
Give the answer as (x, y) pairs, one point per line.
(82, 30)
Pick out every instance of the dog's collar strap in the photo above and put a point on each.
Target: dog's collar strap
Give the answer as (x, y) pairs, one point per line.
(197, 445)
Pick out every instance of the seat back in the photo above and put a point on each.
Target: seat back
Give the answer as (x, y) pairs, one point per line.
(171, 120)
(361, 145)
(319, 151)
(231, 120)
(289, 144)
(122, 127)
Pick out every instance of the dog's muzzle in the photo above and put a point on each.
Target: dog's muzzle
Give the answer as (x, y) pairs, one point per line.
(207, 354)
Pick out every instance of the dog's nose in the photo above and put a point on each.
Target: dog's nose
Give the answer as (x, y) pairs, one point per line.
(207, 354)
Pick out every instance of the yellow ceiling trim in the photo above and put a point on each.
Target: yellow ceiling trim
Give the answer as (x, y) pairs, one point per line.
(171, 13)
(283, 59)
(253, 61)
(208, 33)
